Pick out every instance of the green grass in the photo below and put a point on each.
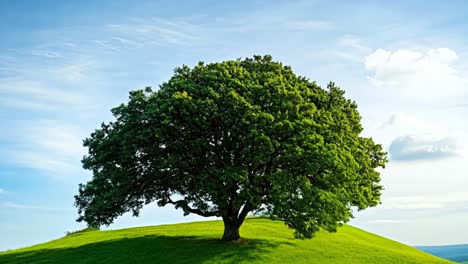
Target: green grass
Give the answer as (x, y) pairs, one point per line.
(265, 241)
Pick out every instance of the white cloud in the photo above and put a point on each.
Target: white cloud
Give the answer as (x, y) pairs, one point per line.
(156, 31)
(453, 200)
(108, 45)
(416, 74)
(2, 191)
(419, 132)
(353, 42)
(125, 41)
(36, 93)
(51, 146)
(386, 221)
(51, 164)
(73, 72)
(46, 53)
(399, 119)
(413, 148)
(57, 138)
(350, 48)
(12, 205)
(192, 31)
(310, 25)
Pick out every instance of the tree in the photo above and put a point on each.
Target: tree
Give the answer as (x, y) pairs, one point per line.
(225, 139)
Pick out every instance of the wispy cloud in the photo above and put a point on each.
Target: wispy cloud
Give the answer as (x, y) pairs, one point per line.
(125, 41)
(400, 120)
(310, 25)
(39, 85)
(455, 200)
(50, 164)
(350, 48)
(156, 31)
(46, 54)
(353, 42)
(45, 93)
(136, 33)
(108, 45)
(73, 72)
(36, 93)
(19, 206)
(51, 146)
(386, 221)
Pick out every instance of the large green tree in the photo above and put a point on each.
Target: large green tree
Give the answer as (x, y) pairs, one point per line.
(225, 139)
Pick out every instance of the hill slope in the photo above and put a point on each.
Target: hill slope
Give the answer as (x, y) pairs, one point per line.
(457, 253)
(266, 242)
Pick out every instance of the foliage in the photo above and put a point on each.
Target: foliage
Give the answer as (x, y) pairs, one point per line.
(195, 243)
(228, 138)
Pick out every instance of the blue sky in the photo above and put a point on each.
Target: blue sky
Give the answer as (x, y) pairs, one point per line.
(64, 65)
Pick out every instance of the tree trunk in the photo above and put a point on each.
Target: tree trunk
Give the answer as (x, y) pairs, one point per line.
(231, 229)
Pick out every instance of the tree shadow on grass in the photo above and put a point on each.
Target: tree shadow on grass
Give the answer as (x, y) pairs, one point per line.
(151, 249)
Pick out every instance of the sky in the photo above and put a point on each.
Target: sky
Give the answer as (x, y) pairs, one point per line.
(65, 64)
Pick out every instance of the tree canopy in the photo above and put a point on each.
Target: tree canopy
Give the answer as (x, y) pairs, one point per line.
(226, 139)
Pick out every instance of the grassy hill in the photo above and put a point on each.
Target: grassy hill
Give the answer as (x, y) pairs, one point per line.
(457, 253)
(266, 241)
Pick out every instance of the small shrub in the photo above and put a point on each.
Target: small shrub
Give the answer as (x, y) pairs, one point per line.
(88, 229)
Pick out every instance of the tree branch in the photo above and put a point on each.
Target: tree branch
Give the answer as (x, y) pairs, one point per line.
(184, 205)
(245, 210)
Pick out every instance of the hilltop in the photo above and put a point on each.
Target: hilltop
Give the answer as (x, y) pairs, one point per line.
(265, 241)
